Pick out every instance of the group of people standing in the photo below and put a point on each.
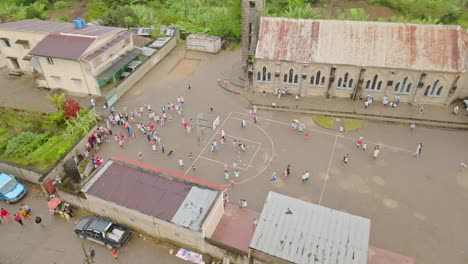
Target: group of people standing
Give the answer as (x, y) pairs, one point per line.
(24, 212)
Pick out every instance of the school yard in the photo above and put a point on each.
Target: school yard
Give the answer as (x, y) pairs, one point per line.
(416, 205)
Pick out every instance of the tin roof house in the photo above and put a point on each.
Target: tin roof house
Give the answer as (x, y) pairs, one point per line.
(75, 57)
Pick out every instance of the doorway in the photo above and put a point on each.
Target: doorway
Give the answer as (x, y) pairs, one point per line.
(14, 63)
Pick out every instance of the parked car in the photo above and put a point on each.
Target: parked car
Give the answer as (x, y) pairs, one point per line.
(11, 190)
(131, 67)
(103, 231)
(465, 104)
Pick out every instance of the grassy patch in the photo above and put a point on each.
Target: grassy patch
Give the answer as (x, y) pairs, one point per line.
(324, 121)
(352, 124)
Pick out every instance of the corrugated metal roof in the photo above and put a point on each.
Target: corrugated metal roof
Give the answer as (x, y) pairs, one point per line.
(118, 64)
(302, 232)
(46, 27)
(365, 44)
(194, 208)
(150, 192)
(106, 46)
(62, 46)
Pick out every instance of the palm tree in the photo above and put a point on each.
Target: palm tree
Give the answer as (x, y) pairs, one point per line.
(57, 100)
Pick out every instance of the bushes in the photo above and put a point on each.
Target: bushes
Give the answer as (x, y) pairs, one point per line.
(62, 4)
(70, 108)
(24, 143)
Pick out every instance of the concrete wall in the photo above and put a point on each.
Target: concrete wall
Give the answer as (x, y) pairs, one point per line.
(212, 219)
(204, 43)
(21, 172)
(17, 50)
(133, 78)
(388, 79)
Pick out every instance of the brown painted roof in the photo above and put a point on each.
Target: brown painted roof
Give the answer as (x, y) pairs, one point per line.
(106, 46)
(366, 44)
(46, 27)
(62, 46)
(151, 191)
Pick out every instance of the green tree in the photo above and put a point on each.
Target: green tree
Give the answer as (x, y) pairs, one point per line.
(306, 12)
(356, 14)
(57, 100)
(145, 15)
(122, 16)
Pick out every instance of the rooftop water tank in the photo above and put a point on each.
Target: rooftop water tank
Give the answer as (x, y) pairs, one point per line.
(79, 23)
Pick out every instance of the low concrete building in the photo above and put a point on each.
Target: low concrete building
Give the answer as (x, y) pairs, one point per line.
(205, 43)
(421, 64)
(290, 230)
(78, 60)
(157, 202)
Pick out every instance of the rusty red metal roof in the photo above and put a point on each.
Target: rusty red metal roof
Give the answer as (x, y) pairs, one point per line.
(152, 191)
(47, 27)
(366, 44)
(62, 46)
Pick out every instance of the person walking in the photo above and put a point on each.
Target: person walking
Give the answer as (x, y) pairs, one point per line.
(223, 134)
(181, 162)
(364, 147)
(306, 135)
(346, 159)
(273, 177)
(288, 170)
(255, 223)
(190, 156)
(38, 221)
(255, 119)
(210, 107)
(5, 215)
(455, 110)
(114, 254)
(194, 167)
(236, 173)
(18, 219)
(376, 152)
(305, 177)
(359, 142)
(163, 148)
(226, 175)
(140, 155)
(189, 87)
(413, 126)
(418, 150)
(24, 214)
(243, 124)
(233, 183)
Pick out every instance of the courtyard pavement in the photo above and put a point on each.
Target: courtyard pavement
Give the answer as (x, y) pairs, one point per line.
(417, 206)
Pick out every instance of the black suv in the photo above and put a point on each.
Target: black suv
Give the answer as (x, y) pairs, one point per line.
(103, 231)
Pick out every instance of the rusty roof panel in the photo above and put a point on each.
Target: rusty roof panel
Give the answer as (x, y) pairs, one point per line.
(366, 44)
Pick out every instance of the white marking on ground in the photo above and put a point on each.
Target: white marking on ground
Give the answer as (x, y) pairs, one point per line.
(209, 142)
(328, 171)
(229, 165)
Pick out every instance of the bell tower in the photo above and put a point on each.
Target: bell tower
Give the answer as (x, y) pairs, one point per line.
(252, 11)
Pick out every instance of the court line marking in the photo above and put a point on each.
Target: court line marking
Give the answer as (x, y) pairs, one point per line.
(243, 139)
(211, 140)
(253, 157)
(220, 162)
(267, 165)
(328, 171)
(331, 134)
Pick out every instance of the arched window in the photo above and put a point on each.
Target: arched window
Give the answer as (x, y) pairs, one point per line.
(269, 76)
(428, 88)
(285, 79)
(350, 83)
(322, 82)
(259, 76)
(296, 78)
(374, 82)
(312, 80)
(339, 82)
(397, 87)
(439, 91)
(408, 88)
(345, 80)
(379, 85)
(404, 84)
(367, 85)
(264, 74)
(317, 78)
(291, 73)
(434, 87)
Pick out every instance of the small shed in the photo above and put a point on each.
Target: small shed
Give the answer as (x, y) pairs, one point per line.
(205, 43)
(290, 230)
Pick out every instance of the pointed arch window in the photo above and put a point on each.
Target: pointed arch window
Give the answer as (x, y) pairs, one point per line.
(285, 79)
(428, 88)
(269, 77)
(346, 80)
(350, 83)
(379, 85)
(291, 73)
(322, 82)
(312, 78)
(296, 78)
(290, 77)
(435, 90)
(367, 85)
(374, 82)
(403, 87)
(264, 74)
(317, 78)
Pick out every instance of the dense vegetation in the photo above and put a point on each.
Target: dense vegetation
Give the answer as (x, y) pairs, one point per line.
(39, 140)
(222, 17)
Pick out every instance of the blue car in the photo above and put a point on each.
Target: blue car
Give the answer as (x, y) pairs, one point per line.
(11, 190)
